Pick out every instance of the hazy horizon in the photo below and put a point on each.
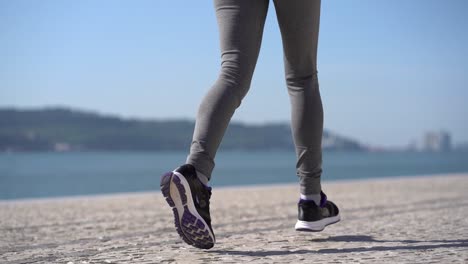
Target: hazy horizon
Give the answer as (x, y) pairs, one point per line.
(389, 71)
(416, 143)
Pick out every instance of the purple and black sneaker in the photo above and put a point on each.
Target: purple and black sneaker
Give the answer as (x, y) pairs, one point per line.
(314, 218)
(190, 202)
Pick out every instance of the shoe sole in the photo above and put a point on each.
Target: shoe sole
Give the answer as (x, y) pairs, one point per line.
(191, 227)
(316, 226)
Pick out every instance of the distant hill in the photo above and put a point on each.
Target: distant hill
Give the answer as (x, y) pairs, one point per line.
(62, 129)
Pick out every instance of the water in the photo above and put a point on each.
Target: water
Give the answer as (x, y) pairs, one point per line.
(32, 175)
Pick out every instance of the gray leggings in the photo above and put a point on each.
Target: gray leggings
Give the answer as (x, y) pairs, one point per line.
(240, 29)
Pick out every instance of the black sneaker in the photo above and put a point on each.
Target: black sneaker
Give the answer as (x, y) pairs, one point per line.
(315, 218)
(190, 202)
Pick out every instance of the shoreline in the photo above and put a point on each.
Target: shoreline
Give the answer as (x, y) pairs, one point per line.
(228, 187)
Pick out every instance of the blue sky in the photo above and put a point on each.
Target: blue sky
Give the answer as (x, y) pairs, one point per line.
(388, 70)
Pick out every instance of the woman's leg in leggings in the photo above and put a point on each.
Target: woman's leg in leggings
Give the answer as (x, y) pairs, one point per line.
(240, 30)
(299, 24)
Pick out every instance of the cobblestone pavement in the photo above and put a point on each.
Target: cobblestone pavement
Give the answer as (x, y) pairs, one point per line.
(400, 220)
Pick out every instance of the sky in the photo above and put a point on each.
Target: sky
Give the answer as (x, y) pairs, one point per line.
(388, 70)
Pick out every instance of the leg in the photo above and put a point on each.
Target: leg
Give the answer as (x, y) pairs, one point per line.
(299, 24)
(240, 28)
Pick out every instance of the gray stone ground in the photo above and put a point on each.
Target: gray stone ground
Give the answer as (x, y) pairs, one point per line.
(402, 220)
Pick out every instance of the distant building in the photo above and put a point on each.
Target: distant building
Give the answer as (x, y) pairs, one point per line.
(62, 147)
(437, 141)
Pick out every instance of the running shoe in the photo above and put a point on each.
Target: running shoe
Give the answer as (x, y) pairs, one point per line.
(314, 218)
(189, 199)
